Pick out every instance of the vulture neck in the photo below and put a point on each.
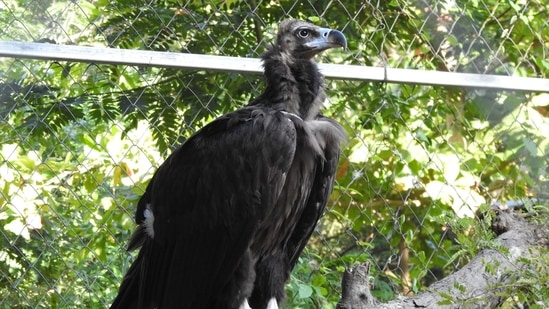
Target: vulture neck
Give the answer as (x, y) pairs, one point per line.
(293, 85)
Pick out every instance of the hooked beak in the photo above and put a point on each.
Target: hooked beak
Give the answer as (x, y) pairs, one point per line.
(328, 38)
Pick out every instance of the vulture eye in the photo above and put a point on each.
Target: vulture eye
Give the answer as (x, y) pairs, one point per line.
(303, 33)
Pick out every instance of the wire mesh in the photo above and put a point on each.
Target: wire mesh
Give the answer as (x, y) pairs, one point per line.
(80, 141)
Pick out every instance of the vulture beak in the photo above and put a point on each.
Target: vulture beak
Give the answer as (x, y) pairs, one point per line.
(327, 39)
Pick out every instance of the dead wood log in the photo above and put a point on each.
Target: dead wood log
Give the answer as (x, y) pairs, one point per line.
(473, 286)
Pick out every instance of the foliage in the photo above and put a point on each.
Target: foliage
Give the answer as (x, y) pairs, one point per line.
(62, 221)
(80, 141)
(532, 287)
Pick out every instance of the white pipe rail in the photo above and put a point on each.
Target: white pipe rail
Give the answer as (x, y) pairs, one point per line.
(44, 51)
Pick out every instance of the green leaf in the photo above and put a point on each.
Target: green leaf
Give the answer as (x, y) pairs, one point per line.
(304, 291)
(27, 162)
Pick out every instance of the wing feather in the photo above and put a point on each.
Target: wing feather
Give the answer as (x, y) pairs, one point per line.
(208, 199)
(329, 135)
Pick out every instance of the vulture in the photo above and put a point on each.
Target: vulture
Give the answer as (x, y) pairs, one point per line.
(224, 219)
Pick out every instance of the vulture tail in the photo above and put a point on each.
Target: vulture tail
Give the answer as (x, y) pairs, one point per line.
(128, 294)
(135, 291)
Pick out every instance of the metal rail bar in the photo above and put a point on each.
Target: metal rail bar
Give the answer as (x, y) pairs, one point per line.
(44, 51)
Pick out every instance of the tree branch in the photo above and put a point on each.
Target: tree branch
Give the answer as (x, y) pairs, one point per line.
(473, 286)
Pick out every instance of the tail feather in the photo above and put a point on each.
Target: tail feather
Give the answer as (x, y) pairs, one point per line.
(133, 292)
(128, 294)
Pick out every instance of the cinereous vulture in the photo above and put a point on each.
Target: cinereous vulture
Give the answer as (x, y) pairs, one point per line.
(226, 216)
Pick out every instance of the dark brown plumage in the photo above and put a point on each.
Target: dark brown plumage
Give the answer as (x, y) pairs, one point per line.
(225, 217)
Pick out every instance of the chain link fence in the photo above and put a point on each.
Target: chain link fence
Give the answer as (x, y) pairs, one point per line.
(80, 140)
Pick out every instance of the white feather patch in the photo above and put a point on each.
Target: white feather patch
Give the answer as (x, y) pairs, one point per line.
(291, 115)
(149, 221)
(272, 304)
(245, 305)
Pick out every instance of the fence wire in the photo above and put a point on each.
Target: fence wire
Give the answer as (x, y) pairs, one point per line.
(80, 141)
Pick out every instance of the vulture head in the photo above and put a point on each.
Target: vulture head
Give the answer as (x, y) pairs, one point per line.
(303, 40)
(294, 83)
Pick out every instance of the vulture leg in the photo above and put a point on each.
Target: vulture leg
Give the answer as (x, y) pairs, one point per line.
(245, 305)
(273, 304)
(269, 284)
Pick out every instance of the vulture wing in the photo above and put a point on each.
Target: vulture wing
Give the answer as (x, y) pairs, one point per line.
(329, 134)
(199, 214)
